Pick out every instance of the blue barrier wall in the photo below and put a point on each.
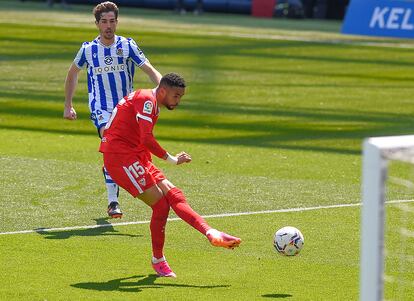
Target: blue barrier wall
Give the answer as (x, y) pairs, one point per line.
(387, 18)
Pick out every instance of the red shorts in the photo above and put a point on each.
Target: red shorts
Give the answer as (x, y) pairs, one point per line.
(132, 172)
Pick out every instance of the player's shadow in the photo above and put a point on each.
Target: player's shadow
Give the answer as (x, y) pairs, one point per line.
(136, 284)
(103, 227)
(277, 296)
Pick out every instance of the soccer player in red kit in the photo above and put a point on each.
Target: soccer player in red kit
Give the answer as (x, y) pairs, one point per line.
(127, 145)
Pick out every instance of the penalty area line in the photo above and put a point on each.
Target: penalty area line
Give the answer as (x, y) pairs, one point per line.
(287, 210)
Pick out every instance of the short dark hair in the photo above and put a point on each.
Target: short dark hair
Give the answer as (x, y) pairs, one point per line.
(173, 80)
(105, 7)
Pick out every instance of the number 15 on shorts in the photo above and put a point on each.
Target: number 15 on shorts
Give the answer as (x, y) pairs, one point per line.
(136, 169)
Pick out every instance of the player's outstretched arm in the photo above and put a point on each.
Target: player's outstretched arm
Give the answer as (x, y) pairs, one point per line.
(152, 73)
(70, 86)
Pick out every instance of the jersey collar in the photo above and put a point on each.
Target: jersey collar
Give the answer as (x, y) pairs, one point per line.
(98, 41)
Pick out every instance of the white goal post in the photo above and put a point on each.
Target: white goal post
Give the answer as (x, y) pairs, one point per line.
(376, 152)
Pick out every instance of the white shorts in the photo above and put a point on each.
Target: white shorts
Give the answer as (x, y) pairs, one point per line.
(100, 118)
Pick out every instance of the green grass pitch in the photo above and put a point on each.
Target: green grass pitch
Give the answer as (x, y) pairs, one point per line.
(274, 117)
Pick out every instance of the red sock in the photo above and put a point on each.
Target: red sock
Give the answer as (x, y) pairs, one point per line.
(158, 220)
(176, 199)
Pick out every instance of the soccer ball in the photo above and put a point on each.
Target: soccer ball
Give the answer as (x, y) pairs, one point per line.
(288, 241)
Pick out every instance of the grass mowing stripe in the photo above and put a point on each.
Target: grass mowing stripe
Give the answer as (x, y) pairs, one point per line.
(299, 209)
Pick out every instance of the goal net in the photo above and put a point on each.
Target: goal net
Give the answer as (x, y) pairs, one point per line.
(387, 226)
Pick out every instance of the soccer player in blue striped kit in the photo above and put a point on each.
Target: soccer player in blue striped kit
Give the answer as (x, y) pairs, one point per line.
(110, 61)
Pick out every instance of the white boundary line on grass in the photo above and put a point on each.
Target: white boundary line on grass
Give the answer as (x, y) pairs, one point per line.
(335, 39)
(299, 209)
(321, 40)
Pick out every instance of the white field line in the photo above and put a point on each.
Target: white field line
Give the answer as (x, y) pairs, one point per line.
(322, 40)
(337, 39)
(299, 209)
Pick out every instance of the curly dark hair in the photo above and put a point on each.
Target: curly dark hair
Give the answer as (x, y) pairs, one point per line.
(173, 80)
(105, 7)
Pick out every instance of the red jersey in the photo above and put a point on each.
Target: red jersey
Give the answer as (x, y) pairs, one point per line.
(130, 128)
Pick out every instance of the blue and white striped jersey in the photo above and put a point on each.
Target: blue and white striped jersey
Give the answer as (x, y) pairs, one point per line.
(110, 70)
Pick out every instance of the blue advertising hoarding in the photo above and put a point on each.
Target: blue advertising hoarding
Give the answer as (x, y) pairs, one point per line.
(386, 18)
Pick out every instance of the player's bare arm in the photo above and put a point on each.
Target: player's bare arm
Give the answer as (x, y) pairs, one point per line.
(70, 86)
(152, 73)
